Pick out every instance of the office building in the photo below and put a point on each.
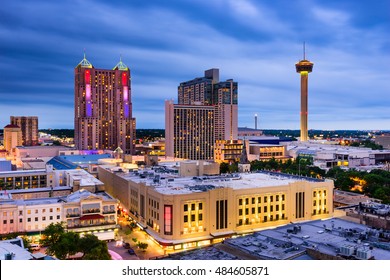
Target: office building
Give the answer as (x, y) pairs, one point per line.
(304, 67)
(207, 108)
(29, 127)
(103, 108)
(185, 212)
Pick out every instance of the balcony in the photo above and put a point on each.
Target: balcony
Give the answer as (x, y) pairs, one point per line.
(101, 226)
(72, 215)
(91, 211)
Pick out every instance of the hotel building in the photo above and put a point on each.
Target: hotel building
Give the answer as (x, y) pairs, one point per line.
(206, 112)
(185, 212)
(103, 108)
(29, 127)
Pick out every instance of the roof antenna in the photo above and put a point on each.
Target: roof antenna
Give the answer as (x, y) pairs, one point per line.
(84, 53)
(304, 51)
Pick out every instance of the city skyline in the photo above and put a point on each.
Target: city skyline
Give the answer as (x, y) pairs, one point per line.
(166, 43)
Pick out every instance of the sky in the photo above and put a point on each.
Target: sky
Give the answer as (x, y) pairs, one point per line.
(164, 43)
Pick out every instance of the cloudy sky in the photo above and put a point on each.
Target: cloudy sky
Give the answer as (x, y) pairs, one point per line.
(256, 43)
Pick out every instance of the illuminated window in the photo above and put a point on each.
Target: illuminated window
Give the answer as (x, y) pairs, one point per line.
(168, 219)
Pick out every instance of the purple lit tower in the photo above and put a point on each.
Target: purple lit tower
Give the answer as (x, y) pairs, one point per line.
(103, 108)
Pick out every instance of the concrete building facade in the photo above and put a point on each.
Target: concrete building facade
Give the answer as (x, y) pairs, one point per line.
(184, 212)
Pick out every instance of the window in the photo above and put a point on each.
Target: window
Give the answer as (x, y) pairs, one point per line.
(239, 212)
(271, 208)
(271, 198)
(277, 207)
(43, 218)
(246, 201)
(28, 219)
(277, 217)
(193, 218)
(265, 219)
(193, 207)
(200, 217)
(282, 207)
(240, 222)
(168, 219)
(200, 206)
(36, 211)
(43, 210)
(324, 192)
(325, 201)
(259, 199)
(186, 219)
(20, 212)
(58, 217)
(253, 200)
(4, 222)
(282, 197)
(36, 219)
(185, 207)
(265, 209)
(259, 209)
(240, 201)
(51, 218)
(265, 199)
(58, 209)
(277, 197)
(314, 202)
(20, 220)
(314, 194)
(246, 211)
(28, 211)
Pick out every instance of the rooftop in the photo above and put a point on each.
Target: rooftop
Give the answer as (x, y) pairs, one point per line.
(166, 182)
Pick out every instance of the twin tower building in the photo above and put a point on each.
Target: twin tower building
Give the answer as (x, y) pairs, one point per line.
(206, 112)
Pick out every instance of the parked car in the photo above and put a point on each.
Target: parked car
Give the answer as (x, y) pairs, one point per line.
(131, 251)
(126, 245)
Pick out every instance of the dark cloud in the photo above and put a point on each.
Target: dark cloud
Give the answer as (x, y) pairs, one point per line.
(167, 42)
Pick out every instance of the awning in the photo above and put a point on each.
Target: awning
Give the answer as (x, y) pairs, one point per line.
(91, 217)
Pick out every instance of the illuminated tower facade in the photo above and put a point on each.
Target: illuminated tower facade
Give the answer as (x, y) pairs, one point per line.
(103, 108)
(304, 67)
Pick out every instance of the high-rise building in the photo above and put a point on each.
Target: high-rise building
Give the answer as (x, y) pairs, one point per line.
(304, 67)
(29, 127)
(103, 109)
(189, 131)
(208, 110)
(12, 137)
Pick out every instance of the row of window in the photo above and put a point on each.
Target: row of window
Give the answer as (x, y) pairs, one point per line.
(265, 209)
(36, 219)
(258, 199)
(193, 217)
(265, 219)
(192, 206)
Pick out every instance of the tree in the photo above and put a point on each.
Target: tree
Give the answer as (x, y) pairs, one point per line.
(142, 245)
(93, 248)
(223, 167)
(52, 234)
(67, 245)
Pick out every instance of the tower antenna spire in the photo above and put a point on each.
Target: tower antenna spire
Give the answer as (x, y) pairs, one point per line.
(84, 53)
(304, 50)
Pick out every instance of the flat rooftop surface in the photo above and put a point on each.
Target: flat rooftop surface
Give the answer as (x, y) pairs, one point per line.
(168, 183)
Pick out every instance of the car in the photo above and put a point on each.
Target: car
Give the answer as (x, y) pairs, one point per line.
(126, 245)
(131, 251)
